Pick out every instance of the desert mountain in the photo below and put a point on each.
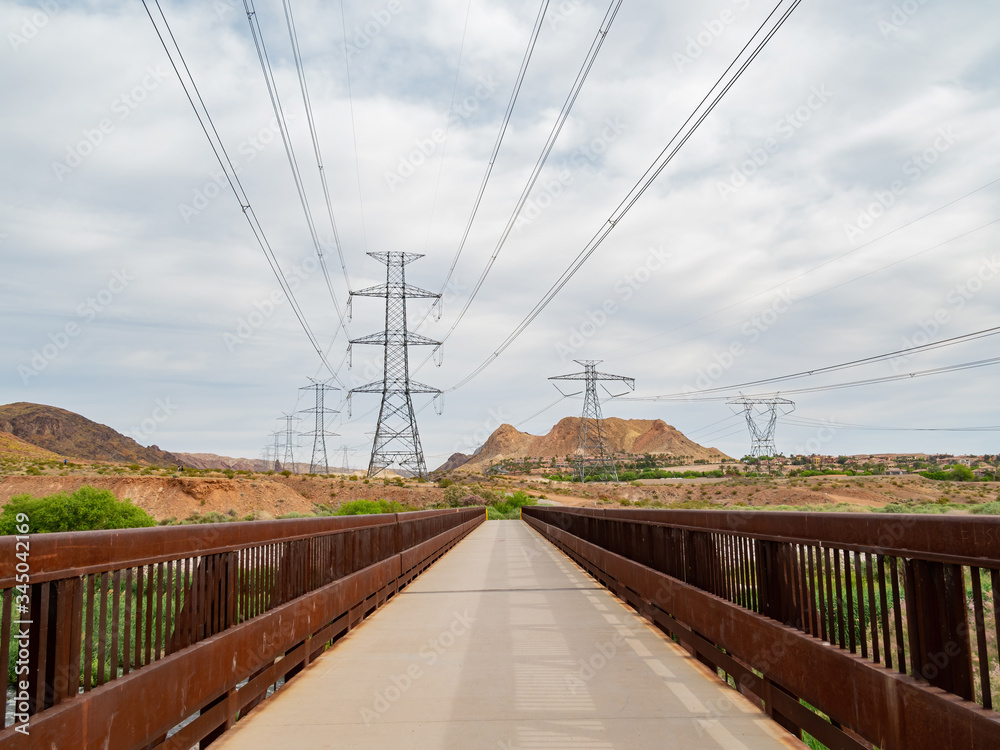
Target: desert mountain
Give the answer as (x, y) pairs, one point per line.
(454, 461)
(69, 434)
(623, 436)
(212, 461)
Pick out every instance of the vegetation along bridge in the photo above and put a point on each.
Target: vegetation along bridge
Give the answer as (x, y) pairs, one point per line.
(572, 628)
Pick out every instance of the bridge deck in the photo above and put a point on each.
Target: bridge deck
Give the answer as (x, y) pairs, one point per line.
(505, 643)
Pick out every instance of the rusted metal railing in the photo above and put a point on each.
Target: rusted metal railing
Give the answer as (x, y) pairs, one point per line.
(885, 625)
(131, 634)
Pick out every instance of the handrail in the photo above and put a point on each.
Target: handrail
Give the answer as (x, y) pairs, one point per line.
(105, 608)
(886, 624)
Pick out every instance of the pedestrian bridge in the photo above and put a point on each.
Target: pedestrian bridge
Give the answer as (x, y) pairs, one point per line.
(572, 628)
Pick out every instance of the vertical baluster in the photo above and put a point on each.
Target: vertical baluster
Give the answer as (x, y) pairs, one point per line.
(995, 596)
(848, 593)
(814, 627)
(841, 635)
(149, 616)
(116, 581)
(102, 632)
(859, 581)
(883, 583)
(158, 646)
(984, 654)
(898, 615)
(88, 633)
(872, 607)
(821, 609)
(140, 575)
(6, 623)
(169, 610)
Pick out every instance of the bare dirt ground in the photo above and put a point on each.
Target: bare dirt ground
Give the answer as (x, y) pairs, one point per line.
(179, 497)
(169, 496)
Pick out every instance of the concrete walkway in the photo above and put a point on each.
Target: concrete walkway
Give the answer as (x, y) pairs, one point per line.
(505, 643)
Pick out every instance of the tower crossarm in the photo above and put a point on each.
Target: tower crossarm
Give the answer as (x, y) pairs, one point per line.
(381, 338)
(384, 290)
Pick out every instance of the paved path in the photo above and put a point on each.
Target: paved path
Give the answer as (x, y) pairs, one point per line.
(505, 643)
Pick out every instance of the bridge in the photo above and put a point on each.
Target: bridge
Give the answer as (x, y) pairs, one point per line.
(571, 628)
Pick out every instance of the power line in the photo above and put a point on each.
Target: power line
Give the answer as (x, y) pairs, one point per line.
(809, 271)
(300, 68)
(965, 337)
(809, 422)
(354, 130)
(838, 386)
(496, 146)
(279, 115)
(192, 92)
(447, 125)
(937, 246)
(581, 78)
(652, 172)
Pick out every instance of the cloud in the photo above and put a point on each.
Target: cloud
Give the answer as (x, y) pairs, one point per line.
(139, 189)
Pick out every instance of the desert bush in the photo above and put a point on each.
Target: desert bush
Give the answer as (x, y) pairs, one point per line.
(83, 510)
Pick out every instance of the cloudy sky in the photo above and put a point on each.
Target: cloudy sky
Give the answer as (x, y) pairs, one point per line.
(134, 293)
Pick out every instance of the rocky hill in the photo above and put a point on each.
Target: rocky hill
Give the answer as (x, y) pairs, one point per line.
(454, 461)
(68, 434)
(212, 461)
(623, 436)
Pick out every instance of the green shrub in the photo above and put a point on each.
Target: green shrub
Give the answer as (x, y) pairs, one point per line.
(989, 509)
(509, 508)
(83, 510)
(371, 507)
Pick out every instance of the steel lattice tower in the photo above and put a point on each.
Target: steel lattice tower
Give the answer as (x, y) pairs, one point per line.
(593, 459)
(319, 433)
(396, 437)
(277, 436)
(289, 459)
(762, 419)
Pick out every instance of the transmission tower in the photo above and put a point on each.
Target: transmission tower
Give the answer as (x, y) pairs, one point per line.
(396, 438)
(762, 418)
(346, 465)
(593, 459)
(319, 433)
(289, 460)
(277, 449)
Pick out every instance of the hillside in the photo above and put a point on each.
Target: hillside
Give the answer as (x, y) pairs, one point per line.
(623, 436)
(213, 461)
(13, 447)
(72, 435)
(454, 461)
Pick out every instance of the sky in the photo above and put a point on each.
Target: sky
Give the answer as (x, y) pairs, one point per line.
(838, 203)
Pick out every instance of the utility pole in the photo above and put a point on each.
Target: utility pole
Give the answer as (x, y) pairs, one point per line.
(345, 462)
(319, 433)
(289, 460)
(592, 443)
(396, 438)
(762, 419)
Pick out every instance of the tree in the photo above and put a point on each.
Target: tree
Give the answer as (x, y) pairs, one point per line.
(83, 510)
